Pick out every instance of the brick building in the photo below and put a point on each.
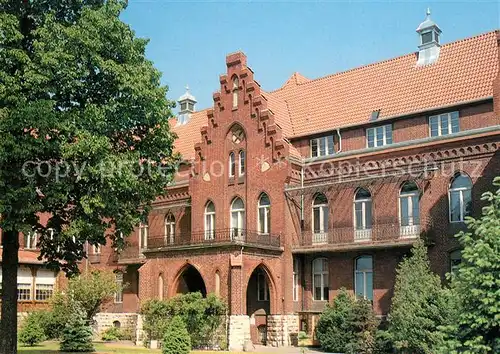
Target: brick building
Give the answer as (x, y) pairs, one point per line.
(285, 197)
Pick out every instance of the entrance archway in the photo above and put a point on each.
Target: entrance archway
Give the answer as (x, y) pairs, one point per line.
(259, 296)
(190, 281)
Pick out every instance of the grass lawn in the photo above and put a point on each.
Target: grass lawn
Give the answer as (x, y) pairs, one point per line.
(101, 348)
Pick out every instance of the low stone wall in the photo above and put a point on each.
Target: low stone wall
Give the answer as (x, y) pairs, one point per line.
(239, 332)
(105, 320)
(281, 330)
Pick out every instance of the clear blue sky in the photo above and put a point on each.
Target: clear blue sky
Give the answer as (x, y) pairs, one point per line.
(190, 39)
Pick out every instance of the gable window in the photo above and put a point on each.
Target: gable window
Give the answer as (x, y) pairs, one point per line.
(241, 156)
(143, 236)
(320, 279)
(262, 288)
(210, 221)
(455, 260)
(364, 277)
(232, 164)
(236, 84)
(444, 124)
(363, 215)
(460, 197)
(237, 218)
(320, 218)
(379, 136)
(295, 279)
(30, 240)
(322, 146)
(264, 214)
(409, 211)
(119, 285)
(169, 229)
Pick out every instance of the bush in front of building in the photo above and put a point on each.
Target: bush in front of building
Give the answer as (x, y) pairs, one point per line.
(77, 334)
(176, 339)
(347, 326)
(32, 330)
(114, 334)
(419, 306)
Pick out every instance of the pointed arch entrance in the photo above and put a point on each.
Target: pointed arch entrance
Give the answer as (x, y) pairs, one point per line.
(189, 280)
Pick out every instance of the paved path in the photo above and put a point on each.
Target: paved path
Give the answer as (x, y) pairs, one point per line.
(284, 350)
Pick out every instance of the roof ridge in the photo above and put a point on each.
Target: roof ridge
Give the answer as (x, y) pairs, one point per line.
(484, 34)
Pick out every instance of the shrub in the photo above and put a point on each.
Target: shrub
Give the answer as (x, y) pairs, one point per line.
(77, 335)
(302, 335)
(176, 339)
(32, 330)
(364, 326)
(111, 334)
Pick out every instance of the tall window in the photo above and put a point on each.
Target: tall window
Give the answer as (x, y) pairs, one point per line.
(322, 146)
(119, 285)
(460, 197)
(232, 164)
(24, 284)
(96, 249)
(209, 221)
(320, 279)
(320, 218)
(444, 124)
(264, 214)
(241, 163)
(44, 284)
(364, 277)
(363, 215)
(236, 84)
(379, 136)
(30, 240)
(409, 211)
(455, 260)
(295, 279)
(262, 287)
(143, 236)
(169, 229)
(160, 287)
(237, 218)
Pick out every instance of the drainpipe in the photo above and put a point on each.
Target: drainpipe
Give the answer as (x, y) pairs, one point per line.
(241, 280)
(302, 198)
(340, 140)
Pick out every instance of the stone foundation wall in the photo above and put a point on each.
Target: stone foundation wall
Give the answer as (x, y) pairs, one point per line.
(239, 332)
(281, 330)
(105, 320)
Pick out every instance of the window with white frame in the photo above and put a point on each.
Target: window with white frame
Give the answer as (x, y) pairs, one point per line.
(320, 279)
(30, 240)
(409, 210)
(363, 276)
(379, 136)
(241, 162)
(455, 260)
(322, 146)
(264, 214)
(232, 164)
(237, 218)
(363, 210)
(460, 197)
(320, 214)
(169, 229)
(210, 221)
(444, 124)
(119, 285)
(143, 236)
(23, 291)
(44, 284)
(236, 84)
(96, 249)
(262, 287)
(24, 284)
(295, 279)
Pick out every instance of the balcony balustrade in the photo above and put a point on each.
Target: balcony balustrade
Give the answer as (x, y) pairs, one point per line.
(213, 238)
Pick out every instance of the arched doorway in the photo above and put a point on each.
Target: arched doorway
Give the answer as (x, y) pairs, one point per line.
(191, 281)
(259, 304)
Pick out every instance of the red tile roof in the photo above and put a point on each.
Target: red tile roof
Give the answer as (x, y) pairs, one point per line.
(464, 72)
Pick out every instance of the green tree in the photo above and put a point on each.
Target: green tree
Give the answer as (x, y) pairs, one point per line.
(176, 339)
(77, 334)
(418, 306)
(477, 283)
(32, 331)
(85, 133)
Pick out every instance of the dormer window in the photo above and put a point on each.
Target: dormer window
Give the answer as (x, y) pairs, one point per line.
(322, 146)
(426, 37)
(429, 47)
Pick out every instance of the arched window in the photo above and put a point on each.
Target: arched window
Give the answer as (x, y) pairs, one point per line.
(320, 279)
(264, 214)
(460, 197)
(236, 84)
(363, 277)
(210, 221)
(409, 211)
(363, 215)
(143, 236)
(237, 218)
(241, 161)
(455, 260)
(217, 283)
(320, 218)
(232, 164)
(169, 229)
(160, 287)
